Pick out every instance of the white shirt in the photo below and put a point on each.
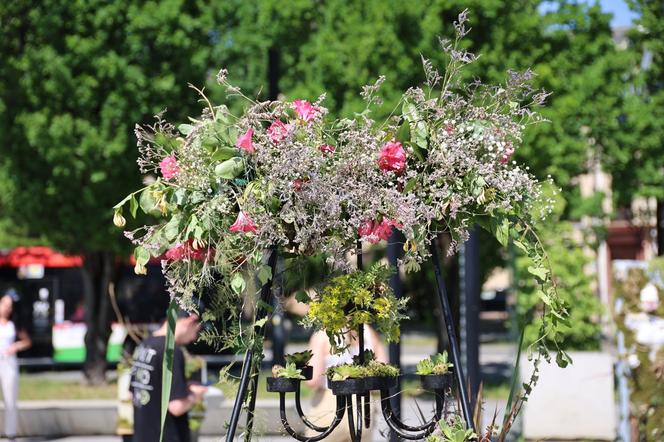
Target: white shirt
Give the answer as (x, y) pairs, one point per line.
(7, 336)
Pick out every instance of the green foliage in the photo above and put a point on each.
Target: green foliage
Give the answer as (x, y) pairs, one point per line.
(452, 432)
(568, 263)
(437, 364)
(354, 371)
(75, 78)
(290, 371)
(369, 356)
(350, 300)
(299, 359)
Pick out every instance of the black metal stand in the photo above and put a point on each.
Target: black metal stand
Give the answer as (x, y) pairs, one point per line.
(249, 371)
(358, 416)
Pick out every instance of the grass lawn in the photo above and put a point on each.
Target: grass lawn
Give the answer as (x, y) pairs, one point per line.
(38, 388)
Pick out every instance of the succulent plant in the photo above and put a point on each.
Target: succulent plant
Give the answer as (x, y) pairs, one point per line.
(290, 371)
(437, 364)
(300, 359)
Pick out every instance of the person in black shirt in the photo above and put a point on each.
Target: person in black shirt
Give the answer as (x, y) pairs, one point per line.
(146, 379)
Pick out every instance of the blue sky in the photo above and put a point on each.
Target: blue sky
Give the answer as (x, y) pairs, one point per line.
(622, 16)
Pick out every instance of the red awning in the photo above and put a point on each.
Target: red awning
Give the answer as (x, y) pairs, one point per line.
(24, 256)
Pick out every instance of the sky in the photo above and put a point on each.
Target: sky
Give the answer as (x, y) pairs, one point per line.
(622, 16)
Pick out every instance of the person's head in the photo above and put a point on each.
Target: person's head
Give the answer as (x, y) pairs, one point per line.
(6, 306)
(186, 329)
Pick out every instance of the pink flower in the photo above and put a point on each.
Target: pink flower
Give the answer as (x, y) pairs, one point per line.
(244, 141)
(186, 250)
(392, 157)
(305, 110)
(374, 231)
(297, 185)
(327, 148)
(169, 167)
(278, 131)
(176, 253)
(507, 153)
(243, 223)
(383, 230)
(365, 228)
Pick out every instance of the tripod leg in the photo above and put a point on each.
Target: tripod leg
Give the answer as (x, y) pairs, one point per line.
(451, 333)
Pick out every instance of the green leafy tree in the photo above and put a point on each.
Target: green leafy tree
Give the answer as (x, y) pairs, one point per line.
(637, 164)
(75, 78)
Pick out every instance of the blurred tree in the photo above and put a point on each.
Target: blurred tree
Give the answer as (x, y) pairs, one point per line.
(638, 167)
(75, 78)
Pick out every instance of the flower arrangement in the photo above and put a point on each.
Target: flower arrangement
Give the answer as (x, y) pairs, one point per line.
(225, 187)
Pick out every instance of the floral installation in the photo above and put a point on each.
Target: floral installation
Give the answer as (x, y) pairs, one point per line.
(224, 188)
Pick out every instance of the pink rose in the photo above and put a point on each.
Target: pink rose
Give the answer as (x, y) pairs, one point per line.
(278, 131)
(243, 223)
(244, 141)
(169, 167)
(327, 148)
(392, 157)
(305, 110)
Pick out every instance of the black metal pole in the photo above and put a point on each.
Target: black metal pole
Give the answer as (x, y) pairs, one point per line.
(247, 365)
(454, 344)
(394, 253)
(469, 327)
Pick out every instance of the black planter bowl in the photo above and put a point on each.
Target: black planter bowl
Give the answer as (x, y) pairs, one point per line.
(347, 386)
(282, 385)
(436, 381)
(307, 371)
(380, 382)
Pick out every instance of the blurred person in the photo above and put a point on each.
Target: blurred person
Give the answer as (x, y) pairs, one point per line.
(324, 403)
(146, 380)
(12, 341)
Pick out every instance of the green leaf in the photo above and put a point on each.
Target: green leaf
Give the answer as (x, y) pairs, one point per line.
(142, 255)
(261, 322)
(421, 134)
(167, 364)
(229, 169)
(224, 153)
(122, 203)
(563, 359)
(172, 227)
(148, 203)
(264, 274)
(403, 134)
(540, 272)
(302, 296)
(238, 284)
(185, 129)
(409, 112)
(133, 206)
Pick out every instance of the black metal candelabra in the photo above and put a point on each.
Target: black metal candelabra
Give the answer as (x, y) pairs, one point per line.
(358, 414)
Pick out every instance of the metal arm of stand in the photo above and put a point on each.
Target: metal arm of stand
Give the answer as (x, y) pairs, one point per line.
(451, 333)
(298, 408)
(247, 374)
(397, 426)
(337, 418)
